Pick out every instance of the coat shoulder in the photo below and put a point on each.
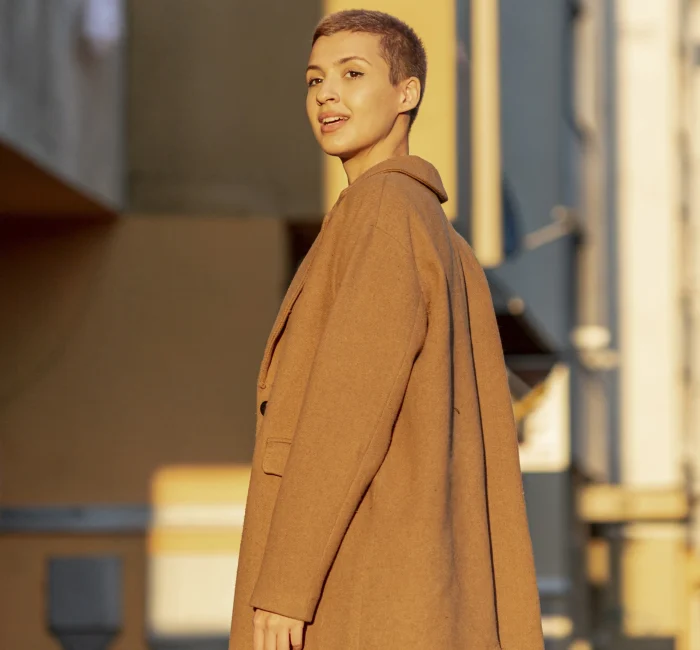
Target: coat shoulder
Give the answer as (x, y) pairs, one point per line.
(398, 207)
(377, 201)
(396, 203)
(411, 212)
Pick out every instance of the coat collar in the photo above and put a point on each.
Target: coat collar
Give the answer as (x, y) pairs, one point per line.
(411, 165)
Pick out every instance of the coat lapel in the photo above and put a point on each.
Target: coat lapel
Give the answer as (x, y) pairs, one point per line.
(290, 298)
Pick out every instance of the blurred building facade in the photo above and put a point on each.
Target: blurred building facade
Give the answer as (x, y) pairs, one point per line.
(158, 186)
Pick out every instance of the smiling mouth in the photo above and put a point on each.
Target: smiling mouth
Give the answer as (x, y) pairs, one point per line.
(332, 124)
(333, 120)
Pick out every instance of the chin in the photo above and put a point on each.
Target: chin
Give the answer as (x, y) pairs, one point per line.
(343, 150)
(337, 150)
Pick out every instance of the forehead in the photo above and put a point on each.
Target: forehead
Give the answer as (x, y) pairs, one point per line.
(328, 49)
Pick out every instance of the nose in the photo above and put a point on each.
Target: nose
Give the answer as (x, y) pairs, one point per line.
(326, 92)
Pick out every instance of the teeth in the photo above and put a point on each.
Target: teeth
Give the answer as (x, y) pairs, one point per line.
(330, 120)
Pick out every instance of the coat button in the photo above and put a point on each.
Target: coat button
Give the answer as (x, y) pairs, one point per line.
(263, 406)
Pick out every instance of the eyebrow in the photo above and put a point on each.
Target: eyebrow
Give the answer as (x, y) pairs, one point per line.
(345, 59)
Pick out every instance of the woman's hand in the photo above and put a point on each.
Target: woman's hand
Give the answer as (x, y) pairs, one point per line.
(276, 632)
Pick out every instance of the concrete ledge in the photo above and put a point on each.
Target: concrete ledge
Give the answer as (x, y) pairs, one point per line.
(617, 503)
(105, 519)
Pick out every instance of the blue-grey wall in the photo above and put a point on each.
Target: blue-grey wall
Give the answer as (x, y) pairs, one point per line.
(539, 150)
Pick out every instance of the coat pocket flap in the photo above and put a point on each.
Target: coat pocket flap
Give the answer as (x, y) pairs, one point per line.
(275, 457)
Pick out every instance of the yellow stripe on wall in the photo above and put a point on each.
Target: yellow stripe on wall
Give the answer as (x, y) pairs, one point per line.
(487, 223)
(210, 484)
(186, 541)
(434, 134)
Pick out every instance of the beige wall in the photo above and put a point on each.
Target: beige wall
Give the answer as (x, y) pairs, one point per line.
(649, 235)
(127, 346)
(651, 346)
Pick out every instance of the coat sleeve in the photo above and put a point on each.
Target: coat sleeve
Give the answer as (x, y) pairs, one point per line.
(375, 329)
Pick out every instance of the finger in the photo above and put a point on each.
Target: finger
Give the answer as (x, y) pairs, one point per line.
(297, 637)
(283, 639)
(258, 633)
(270, 638)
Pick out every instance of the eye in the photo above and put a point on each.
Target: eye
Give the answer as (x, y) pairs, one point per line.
(354, 74)
(311, 83)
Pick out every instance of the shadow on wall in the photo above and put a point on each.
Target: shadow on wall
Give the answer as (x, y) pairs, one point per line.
(127, 345)
(49, 270)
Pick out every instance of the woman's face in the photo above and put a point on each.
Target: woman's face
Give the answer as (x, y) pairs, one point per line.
(348, 79)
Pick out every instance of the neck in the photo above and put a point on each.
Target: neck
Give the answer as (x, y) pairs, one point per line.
(361, 161)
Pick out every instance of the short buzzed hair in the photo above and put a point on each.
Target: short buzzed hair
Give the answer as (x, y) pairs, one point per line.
(400, 46)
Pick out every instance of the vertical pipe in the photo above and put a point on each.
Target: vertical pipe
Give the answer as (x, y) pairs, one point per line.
(486, 220)
(592, 331)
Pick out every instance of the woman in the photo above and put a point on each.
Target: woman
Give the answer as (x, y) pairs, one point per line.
(385, 508)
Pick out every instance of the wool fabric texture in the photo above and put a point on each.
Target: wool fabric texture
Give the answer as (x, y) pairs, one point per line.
(386, 505)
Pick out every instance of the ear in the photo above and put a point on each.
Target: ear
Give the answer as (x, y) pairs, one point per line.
(410, 94)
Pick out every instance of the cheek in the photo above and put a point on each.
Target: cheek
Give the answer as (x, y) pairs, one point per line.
(372, 103)
(361, 99)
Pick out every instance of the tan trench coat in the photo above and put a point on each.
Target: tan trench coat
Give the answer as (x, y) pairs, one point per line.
(385, 505)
